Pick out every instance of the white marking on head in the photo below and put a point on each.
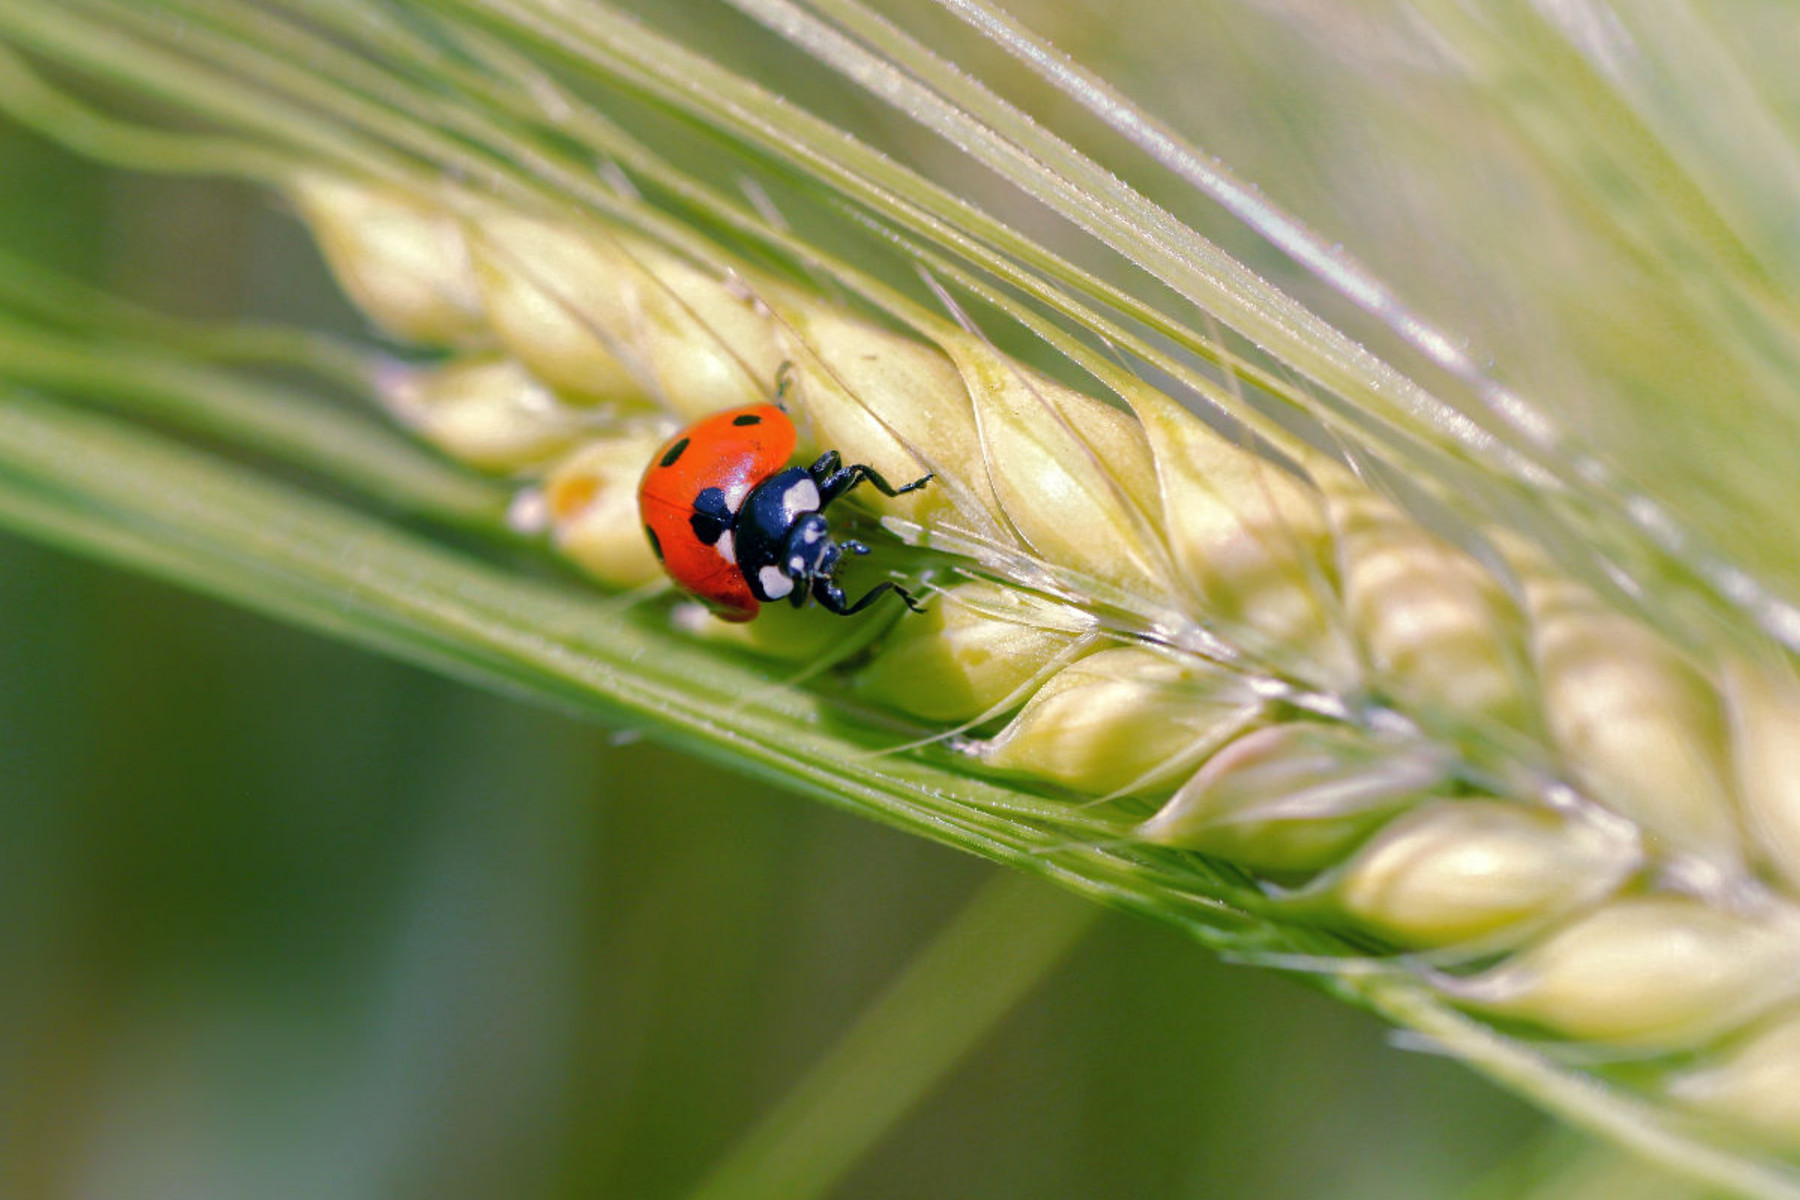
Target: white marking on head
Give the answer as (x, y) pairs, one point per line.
(803, 497)
(727, 547)
(812, 534)
(796, 565)
(775, 585)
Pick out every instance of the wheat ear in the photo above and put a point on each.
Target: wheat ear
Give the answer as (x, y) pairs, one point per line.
(1539, 805)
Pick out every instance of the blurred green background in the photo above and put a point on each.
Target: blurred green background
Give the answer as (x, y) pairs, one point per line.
(280, 919)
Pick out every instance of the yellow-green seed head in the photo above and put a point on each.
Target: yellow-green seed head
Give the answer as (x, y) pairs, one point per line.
(489, 412)
(1125, 720)
(1657, 972)
(974, 651)
(1470, 871)
(1293, 797)
(1291, 572)
(402, 260)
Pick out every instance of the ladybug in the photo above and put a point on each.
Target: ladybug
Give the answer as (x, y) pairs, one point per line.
(736, 527)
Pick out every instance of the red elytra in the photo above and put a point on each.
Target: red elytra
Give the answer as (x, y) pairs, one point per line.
(732, 451)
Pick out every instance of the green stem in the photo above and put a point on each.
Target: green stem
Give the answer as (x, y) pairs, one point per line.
(995, 951)
(331, 442)
(29, 100)
(70, 306)
(1655, 1133)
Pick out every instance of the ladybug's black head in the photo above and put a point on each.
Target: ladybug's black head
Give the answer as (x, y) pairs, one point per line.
(811, 553)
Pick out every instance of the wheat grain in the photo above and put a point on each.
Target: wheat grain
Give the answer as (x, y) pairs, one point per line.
(488, 411)
(1480, 874)
(403, 261)
(1295, 797)
(1752, 1084)
(1655, 972)
(1125, 720)
(976, 652)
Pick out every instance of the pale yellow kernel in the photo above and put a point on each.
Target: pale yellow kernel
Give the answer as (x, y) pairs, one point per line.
(608, 317)
(1294, 797)
(400, 258)
(894, 404)
(1125, 720)
(1250, 541)
(1764, 703)
(1752, 1086)
(1074, 477)
(973, 652)
(563, 304)
(1650, 972)
(590, 500)
(1457, 872)
(1638, 726)
(709, 345)
(488, 412)
(1435, 625)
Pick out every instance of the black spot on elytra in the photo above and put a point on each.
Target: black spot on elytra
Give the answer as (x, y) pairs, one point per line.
(675, 451)
(655, 543)
(747, 419)
(712, 516)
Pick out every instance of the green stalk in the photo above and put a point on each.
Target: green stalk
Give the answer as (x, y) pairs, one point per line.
(976, 970)
(331, 442)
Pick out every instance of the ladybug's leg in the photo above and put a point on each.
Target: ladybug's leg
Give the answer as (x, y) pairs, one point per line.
(834, 479)
(831, 597)
(907, 598)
